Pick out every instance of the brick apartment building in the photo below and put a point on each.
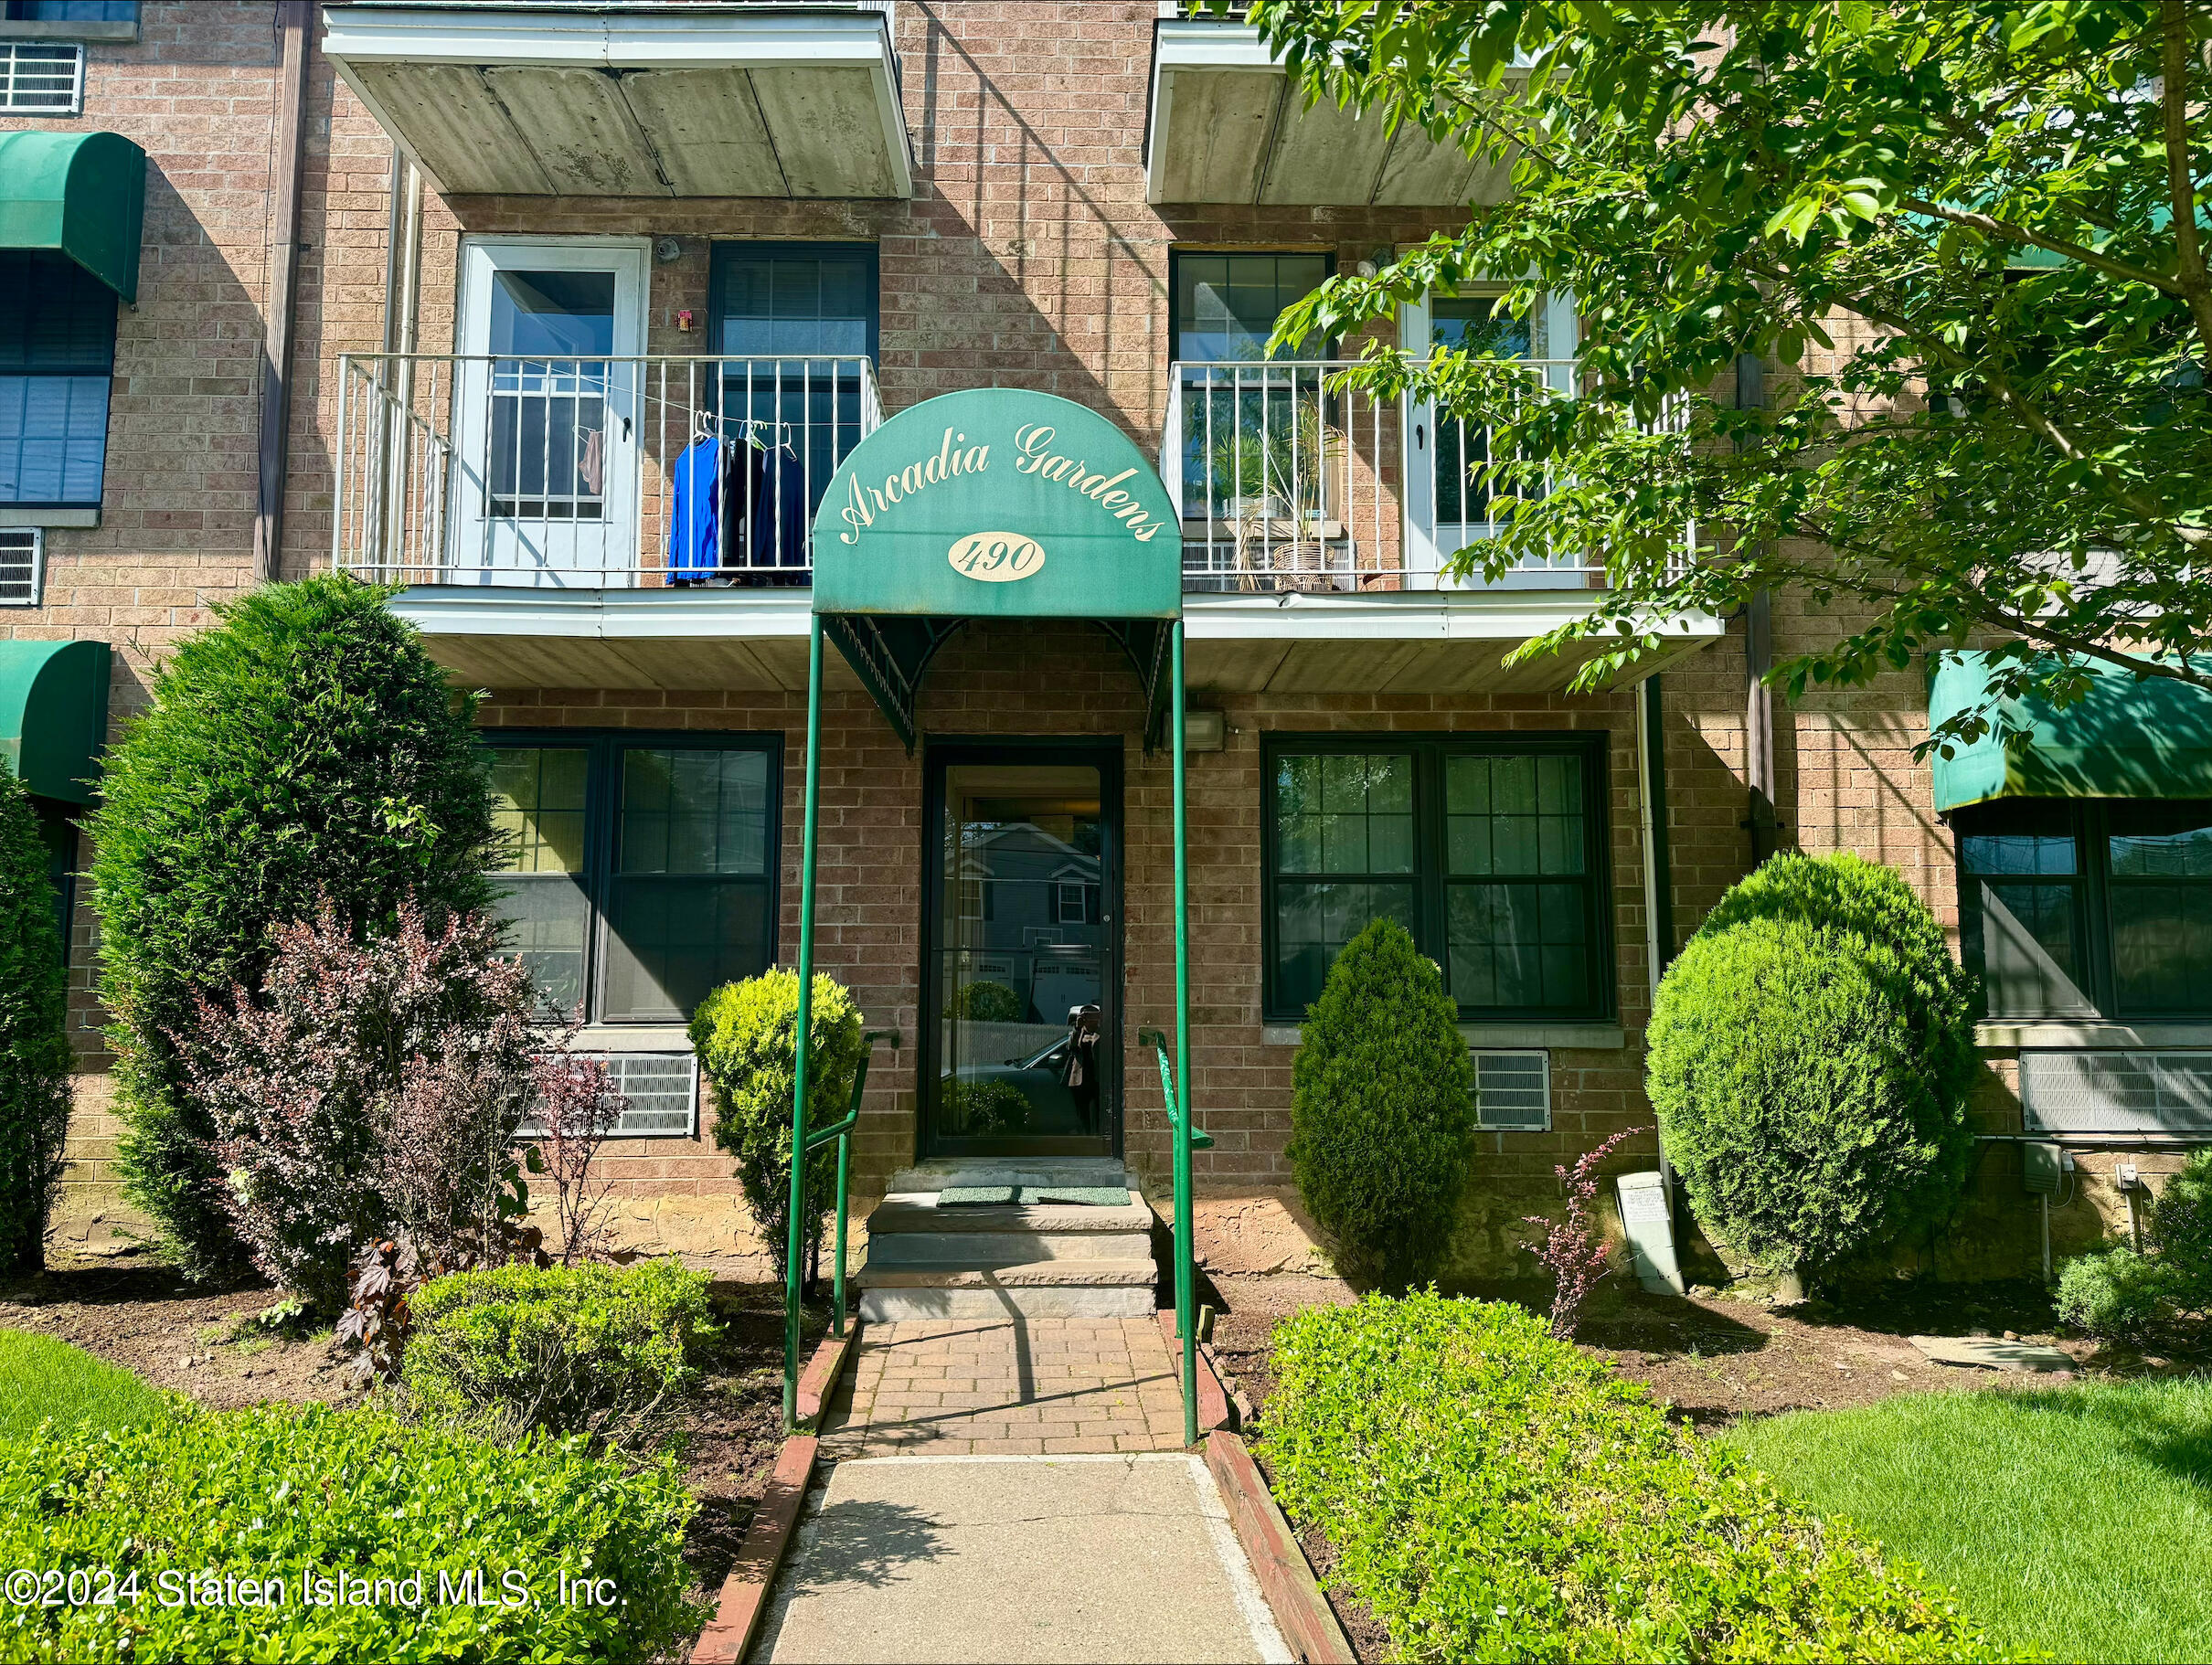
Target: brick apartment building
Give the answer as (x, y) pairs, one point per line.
(503, 304)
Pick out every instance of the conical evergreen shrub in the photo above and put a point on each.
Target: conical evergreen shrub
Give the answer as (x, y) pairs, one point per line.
(34, 1035)
(1382, 1108)
(305, 748)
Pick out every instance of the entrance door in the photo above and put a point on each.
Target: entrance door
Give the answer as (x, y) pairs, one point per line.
(545, 419)
(1021, 972)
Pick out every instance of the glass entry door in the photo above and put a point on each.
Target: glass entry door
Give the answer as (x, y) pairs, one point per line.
(1022, 966)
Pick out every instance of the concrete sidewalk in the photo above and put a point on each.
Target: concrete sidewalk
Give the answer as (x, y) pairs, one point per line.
(964, 1558)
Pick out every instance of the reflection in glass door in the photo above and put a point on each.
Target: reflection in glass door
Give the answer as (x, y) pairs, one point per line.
(1023, 958)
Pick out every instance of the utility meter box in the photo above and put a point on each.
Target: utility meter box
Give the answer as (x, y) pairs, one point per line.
(2041, 1169)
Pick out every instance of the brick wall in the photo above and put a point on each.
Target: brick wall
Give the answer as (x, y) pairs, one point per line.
(1027, 257)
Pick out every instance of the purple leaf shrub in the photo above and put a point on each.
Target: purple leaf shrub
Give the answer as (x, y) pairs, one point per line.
(1571, 1250)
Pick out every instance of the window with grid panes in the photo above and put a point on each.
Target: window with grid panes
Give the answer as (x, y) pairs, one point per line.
(57, 359)
(1488, 850)
(2088, 907)
(640, 871)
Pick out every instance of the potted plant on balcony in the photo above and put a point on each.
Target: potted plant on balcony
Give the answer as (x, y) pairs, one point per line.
(1270, 465)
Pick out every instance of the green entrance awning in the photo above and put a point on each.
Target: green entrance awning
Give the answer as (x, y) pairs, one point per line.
(2128, 737)
(54, 715)
(83, 195)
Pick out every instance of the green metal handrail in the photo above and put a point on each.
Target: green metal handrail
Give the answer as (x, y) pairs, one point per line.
(1187, 1139)
(841, 1131)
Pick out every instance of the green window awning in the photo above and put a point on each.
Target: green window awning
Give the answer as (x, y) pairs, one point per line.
(83, 195)
(54, 715)
(2129, 738)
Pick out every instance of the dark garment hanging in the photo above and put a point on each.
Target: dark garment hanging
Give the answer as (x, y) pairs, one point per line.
(779, 515)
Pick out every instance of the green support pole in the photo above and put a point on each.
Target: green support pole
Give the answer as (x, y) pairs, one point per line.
(845, 1158)
(795, 1263)
(1187, 1318)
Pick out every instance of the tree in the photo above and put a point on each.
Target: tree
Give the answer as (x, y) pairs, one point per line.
(305, 749)
(34, 1036)
(1971, 232)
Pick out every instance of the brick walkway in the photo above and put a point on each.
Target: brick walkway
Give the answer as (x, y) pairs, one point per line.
(1007, 1387)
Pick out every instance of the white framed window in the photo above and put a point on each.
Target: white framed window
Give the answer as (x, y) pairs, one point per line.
(22, 566)
(662, 1090)
(1447, 507)
(1513, 1092)
(41, 78)
(1071, 901)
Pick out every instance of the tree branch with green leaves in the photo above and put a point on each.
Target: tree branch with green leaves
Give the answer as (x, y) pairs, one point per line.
(1967, 233)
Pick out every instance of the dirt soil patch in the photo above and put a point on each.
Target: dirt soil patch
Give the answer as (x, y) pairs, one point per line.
(191, 1339)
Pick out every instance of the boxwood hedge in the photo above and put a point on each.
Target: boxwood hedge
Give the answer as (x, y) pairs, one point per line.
(1493, 1493)
(382, 1541)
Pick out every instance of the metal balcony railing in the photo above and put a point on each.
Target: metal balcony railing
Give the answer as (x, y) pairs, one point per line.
(1287, 483)
(583, 472)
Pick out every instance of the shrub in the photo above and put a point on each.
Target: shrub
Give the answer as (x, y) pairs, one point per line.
(984, 1106)
(286, 1494)
(305, 748)
(2181, 1225)
(1810, 1054)
(1494, 1493)
(1573, 1249)
(372, 1088)
(34, 1035)
(2119, 1296)
(604, 1350)
(745, 1038)
(1382, 1107)
(987, 1002)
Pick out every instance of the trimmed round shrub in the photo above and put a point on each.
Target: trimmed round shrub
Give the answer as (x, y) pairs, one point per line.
(607, 1350)
(1810, 1054)
(2118, 1296)
(34, 1035)
(304, 749)
(1382, 1108)
(2180, 1225)
(1495, 1493)
(746, 1035)
(987, 1002)
(451, 1547)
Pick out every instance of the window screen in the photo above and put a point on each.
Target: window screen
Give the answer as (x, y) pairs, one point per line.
(57, 355)
(22, 566)
(41, 78)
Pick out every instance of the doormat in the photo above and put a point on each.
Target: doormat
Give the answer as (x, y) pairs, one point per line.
(1003, 1196)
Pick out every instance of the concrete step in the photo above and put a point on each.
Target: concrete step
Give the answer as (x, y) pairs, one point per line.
(1094, 1289)
(913, 1211)
(996, 1248)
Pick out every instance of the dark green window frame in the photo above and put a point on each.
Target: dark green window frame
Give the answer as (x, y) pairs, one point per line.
(606, 889)
(1430, 878)
(2081, 935)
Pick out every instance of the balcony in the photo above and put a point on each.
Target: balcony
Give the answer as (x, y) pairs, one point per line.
(1227, 125)
(544, 517)
(1287, 485)
(669, 101)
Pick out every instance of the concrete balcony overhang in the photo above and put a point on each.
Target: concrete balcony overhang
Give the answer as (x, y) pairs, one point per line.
(1443, 641)
(643, 100)
(1229, 125)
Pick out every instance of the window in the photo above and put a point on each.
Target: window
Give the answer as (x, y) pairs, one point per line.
(41, 78)
(1074, 904)
(2076, 908)
(22, 566)
(72, 11)
(57, 355)
(640, 871)
(1226, 304)
(812, 309)
(1489, 850)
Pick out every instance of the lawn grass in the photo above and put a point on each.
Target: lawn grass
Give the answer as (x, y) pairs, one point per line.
(2076, 1519)
(40, 1377)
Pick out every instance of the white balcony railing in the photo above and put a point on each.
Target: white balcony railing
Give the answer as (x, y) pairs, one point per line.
(1286, 483)
(562, 472)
